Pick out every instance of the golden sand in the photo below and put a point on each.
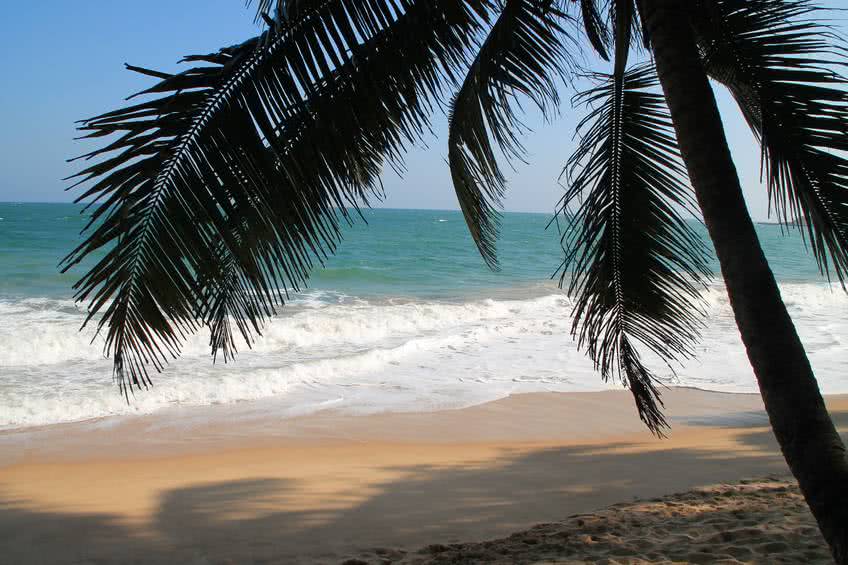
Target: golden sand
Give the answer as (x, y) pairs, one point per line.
(333, 487)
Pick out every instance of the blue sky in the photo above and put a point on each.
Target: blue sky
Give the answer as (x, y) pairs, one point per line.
(63, 60)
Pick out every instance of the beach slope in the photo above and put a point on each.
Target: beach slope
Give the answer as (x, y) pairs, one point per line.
(331, 487)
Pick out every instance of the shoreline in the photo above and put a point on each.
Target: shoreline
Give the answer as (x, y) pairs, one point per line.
(326, 487)
(198, 427)
(241, 408)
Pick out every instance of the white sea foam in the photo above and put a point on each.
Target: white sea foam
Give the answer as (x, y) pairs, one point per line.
(376, 355)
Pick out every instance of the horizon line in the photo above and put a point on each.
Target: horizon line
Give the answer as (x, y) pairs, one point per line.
(766, 220)
(362, 208)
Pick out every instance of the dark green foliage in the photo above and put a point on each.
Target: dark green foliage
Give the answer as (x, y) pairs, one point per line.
(636, 267)
(785, 71)
(523, 54)
(596, 27)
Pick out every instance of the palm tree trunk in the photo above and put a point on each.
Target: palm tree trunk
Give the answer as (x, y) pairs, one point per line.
(803, 428)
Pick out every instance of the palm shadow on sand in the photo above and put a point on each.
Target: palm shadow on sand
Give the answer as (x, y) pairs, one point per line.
(260, 520)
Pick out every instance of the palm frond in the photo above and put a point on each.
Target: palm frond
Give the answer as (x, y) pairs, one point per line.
(595, 26)
(365, 112)
(263, 7)
(218, 196)
(277, 12)
(611, 24)
(523, 55)
(636, 267)
(623, 16)
(784, 69)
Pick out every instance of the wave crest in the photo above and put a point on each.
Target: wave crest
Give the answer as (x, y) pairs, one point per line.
(376, 355)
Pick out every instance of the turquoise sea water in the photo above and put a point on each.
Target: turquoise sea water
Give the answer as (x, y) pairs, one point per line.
(405, 317)
(420, 253)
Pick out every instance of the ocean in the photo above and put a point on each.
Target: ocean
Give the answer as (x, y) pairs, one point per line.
(405, 318)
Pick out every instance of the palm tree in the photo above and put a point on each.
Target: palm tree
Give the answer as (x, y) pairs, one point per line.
(216, 196)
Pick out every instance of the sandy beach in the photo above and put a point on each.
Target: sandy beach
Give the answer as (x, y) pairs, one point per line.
(218, 486)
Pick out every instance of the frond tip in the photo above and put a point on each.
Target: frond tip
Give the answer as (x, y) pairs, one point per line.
(523, 55)
(596, 27)
(636, 267)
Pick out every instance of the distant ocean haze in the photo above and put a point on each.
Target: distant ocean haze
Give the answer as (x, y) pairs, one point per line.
(405, 317)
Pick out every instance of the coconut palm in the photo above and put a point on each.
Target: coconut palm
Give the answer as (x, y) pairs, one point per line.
(215, 197)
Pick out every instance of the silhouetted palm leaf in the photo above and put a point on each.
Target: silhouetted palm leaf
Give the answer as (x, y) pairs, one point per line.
(364, 112)
(636, 267)
(783, 70)
(263, 7)
(595, 26)
(249, 163)
(523, 54)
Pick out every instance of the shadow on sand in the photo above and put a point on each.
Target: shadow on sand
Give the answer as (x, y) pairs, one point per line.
(260, 521)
